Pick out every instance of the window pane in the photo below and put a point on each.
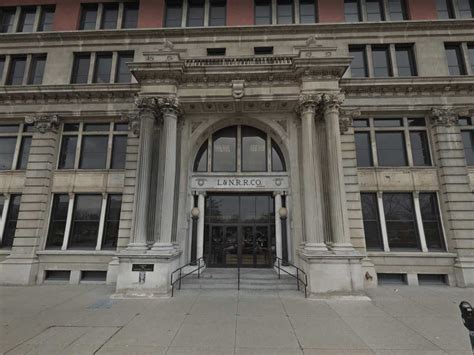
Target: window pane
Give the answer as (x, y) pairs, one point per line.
(420, 148)
(466, 8)
(119, 149)
(391, 148)
(381, 62)
(71, 127)
(363, 149)
(2, 66)
(361, 123)
(96, 127)
(27, 19)
(416, 122)
(471, 57)
(2, 204)
(57, 225)
(67, 155)
(17, 71)
(359, 63)
(7, 18)
(391, 122)
(278, 161)
(308, 11)
(397, 10)
(351, 11)
(46, 19)
(80, 71)
(400, 219)
(11, 128)
(224, 150)
(217, 14)
(468, 140)
(88, 17)
(174, 11)
(200, 164)
(370, 212)
(130, 15)
(123, 73)
(195, 13)
(109, 17)
(121, 127)
(7, 150)
(374, 10)
(103, 68)
(10, 223)
(284, 11)
(445, 9)
(455, 61)
(24, 153)
(112, 221)
(85, 222)
(405, 61)
(263, 12)
(94, 152)
(254, 149)
(37, 70)
(431, 221)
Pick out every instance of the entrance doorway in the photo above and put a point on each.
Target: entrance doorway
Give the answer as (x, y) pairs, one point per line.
(239, 230)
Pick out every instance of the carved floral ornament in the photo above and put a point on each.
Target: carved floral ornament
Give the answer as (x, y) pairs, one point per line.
(446, 116)
(43, 123)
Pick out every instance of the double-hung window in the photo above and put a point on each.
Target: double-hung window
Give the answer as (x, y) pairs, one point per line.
(397, 10)
(24, 69)
(460, 58)
(7, 19)
(109, 16)
(173, 13)
(84, 221)
(450, 9)
(285, 14)
(195, 15)
(467, 132)
(263, 12)
(392, 142)
(15, 143)
(374, 10)
(402, 221)
(352, 11)
(93, 146)
(308, 11)
(10, 210)
(217, 12)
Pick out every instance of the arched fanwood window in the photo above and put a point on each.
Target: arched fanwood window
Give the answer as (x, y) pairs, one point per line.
(239, 149)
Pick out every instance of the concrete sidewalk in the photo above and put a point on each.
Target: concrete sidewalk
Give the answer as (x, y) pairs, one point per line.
(56, 319)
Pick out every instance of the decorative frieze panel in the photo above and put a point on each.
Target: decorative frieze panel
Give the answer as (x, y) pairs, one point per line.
(247, 182)
(43, 123)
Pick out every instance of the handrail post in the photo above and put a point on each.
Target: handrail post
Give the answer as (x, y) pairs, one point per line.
(279, 268)
(297, 279)
(180, 270)
(199, 268)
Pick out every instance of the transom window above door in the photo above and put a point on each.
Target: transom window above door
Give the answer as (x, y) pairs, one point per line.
(239, 149)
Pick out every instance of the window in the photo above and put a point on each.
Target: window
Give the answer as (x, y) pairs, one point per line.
(285, 12)
(130, 15)
(467, 133)
(109, 16)
(36, 74)
(216, 52)
(400, 219)
(381, 61)
(7, 19)
(17, 70)
(308, 13)
(445, 9)
(466, 8)
(2, 66)
(359, 62)
(85, 222)
(57, 225)
(397, 10)
(174, 13)
(195, 13)
(263, 12)
(470, 50)
(27, 19)
(352, 11)
(263, 50)
(11, 221)
(80, 71)
(88, 17)
(393, 139)
(103, 68)
(123, 74)
(455, 60)
(372, 230)
(253, 146)
(112, 221)
(93, 140)
(217, 13)
(2, 205)
(46, 19)
(375, 11)
(15, 143)
(431, 221)
(405, 60)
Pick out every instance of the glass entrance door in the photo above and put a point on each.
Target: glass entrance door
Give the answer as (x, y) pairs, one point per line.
(255, 246)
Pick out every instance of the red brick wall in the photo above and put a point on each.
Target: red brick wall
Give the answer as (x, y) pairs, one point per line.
(240, 13)
(152, 13)
(422, 10)
(331, 10)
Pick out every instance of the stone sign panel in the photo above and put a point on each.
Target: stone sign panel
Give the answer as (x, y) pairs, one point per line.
(240, 183)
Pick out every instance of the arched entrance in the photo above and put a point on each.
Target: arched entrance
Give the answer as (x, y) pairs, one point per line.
(240, 181)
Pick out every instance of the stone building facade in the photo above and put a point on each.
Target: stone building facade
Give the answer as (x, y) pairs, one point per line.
(335, 135)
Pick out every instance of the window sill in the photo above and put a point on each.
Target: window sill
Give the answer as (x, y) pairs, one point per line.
(101, 171)
(380, 168)
(418, 254)
(77, 252)
(5, 251)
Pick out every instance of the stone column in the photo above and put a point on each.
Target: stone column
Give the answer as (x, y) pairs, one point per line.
(200, 225)
(143, 124)
(278, 231)
(170, 110)
(312, 189)
(339, 221)
(455, 191)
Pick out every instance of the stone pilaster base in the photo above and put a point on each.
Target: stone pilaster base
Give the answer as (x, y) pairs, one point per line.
(146, 284)
(464, 271)
(112, 271)
(333, 273)
(19, 271)
(369, 275)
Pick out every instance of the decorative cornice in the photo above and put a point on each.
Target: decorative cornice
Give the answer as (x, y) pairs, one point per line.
(443, 116)
(43, 123)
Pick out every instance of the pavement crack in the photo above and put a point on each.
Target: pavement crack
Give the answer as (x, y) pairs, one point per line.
(119, 328)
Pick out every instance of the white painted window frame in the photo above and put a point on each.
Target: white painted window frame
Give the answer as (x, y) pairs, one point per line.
(3, 217)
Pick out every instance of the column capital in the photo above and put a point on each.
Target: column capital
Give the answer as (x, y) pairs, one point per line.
(43, 122)
(308, 103)
(169, 106)
(346, 119)
(443, 116)
(332, 102)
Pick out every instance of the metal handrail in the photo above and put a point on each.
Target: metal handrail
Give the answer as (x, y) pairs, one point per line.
(299, 272)
(200, 265)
